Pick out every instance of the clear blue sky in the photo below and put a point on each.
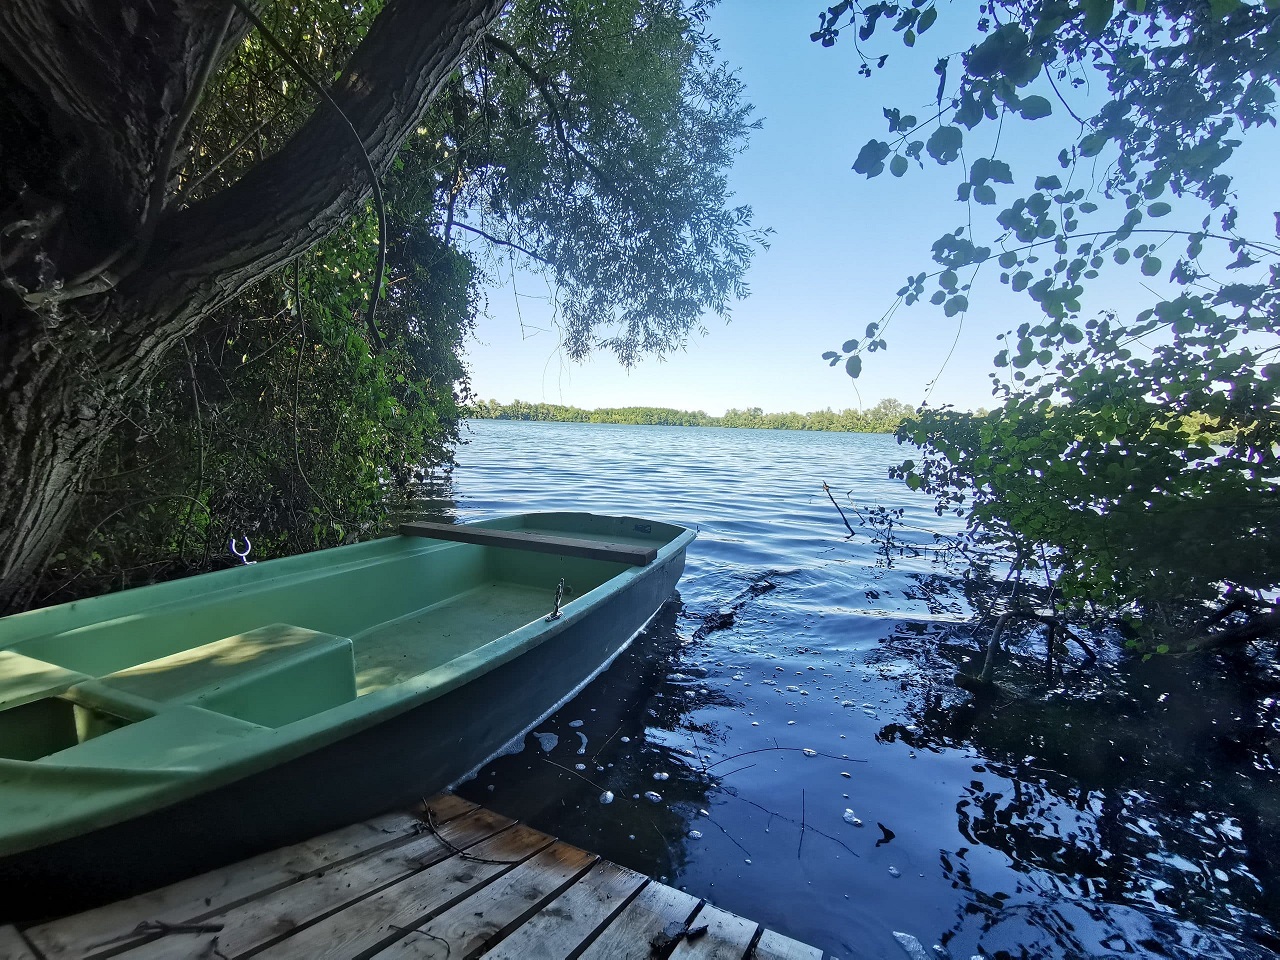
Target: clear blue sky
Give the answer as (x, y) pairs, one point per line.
(843, 245)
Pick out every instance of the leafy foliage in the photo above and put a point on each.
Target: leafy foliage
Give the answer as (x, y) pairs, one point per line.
(597, 153)
(591, 139)
(885, 417)
(1100, 463)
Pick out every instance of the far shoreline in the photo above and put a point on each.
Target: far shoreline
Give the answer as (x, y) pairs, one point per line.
(884, 418)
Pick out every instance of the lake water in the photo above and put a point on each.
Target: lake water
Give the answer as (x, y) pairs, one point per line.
(785, 740)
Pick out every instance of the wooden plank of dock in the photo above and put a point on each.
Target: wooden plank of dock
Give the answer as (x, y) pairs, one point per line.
(454, 880)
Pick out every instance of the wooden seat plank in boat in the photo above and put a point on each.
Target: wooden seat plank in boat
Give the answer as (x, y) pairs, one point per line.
(538, 542)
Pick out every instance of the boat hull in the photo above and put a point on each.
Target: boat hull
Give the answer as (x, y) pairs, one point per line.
(383, 767)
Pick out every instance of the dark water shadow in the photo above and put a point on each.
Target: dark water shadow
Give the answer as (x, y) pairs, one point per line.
(1138, 802)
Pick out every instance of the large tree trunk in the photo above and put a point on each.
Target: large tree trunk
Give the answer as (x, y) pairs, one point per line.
(99, 281)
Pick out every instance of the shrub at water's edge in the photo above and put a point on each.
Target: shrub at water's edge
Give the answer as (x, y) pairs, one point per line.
(885, 417)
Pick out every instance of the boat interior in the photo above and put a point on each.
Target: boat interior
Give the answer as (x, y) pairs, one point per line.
(193, 668)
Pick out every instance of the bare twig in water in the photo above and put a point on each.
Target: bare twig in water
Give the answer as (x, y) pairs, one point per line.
(575, 773)
(777, 749)
(702, 761)
(774, 813)
(827, 490)
(731, 837)
(800, 845)
(605, 744)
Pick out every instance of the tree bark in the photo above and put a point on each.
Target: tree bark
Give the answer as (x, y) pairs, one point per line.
(91, 100)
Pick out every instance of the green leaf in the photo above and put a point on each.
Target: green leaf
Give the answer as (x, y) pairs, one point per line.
(870, 160)
(927, 18)
(957, 304)
(898, 165)
(849, 346)
(943, 145)
(1158, 209)
(984, 193)
(1092, 144)
(853, 366)
(1097, 14)
(914, 481)
(1033, 108)
(1150, 266)
(1008, 259)
(1120, 255)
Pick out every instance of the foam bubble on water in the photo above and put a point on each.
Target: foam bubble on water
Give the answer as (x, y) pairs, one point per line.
(695, 834)
(583, 737)
(850, 819)
(661, 776)
(547, 741)
(809, 752)
(895, 872)
(606, 797)
(911, 946)
(575, 723)
(579, 766)
(653, 797)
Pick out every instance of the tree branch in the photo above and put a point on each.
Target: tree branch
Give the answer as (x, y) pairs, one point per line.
(543, 84)
(502, 243)
(371, 313)
(207, 253)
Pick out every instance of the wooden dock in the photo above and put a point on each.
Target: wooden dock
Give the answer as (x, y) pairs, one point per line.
(455, 881)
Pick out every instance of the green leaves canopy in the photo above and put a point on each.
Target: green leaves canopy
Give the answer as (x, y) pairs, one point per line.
(1101, 455)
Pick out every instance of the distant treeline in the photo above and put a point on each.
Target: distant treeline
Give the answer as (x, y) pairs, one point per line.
(884, 417)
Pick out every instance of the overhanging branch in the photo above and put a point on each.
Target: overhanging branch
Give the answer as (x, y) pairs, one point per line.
(543, 84)
(502, 243)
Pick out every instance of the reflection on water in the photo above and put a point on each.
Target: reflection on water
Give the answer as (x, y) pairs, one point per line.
(785, 741)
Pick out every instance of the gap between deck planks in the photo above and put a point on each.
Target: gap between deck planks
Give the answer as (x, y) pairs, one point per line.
(456, 881)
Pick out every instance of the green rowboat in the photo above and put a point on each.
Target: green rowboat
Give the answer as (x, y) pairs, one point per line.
(152, 733)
